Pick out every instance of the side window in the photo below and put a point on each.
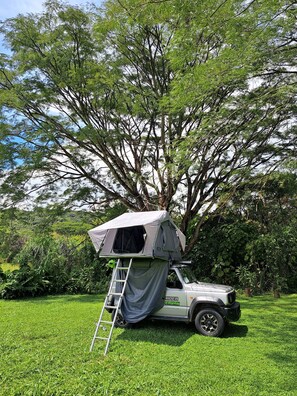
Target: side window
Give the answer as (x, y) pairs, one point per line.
(172, 281)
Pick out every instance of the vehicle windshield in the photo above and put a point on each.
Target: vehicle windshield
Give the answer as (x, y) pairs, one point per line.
(187, 275)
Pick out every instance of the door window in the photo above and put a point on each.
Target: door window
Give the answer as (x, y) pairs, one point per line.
(173, 281)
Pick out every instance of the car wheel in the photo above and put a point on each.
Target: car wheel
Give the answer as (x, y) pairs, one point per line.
(120, 321)
(209, 323)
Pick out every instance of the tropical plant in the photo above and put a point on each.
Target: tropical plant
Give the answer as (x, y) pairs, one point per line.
(23, 283)
(247, 278)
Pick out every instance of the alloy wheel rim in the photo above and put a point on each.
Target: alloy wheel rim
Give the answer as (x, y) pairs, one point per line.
(209, 323)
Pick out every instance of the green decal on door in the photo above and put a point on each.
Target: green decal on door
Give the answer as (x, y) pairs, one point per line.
(172, 301)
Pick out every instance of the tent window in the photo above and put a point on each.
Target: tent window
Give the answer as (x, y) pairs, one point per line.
(129, 240)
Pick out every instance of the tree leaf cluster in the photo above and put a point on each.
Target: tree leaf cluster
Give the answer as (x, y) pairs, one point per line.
(253, 243)
(158, 105)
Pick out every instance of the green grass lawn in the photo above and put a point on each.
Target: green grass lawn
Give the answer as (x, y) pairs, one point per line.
(45, 351)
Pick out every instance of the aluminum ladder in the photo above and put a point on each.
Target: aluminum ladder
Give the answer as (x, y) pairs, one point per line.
(106, 326)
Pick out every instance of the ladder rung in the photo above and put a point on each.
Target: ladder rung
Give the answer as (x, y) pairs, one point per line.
(115, 307)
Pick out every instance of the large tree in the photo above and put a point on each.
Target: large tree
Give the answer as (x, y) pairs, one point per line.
(160, 105)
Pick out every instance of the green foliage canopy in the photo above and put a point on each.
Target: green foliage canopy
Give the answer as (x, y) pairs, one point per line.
(253, 243)
(171, 104)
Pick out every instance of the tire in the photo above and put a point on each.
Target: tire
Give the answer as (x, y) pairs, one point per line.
(120, 321)
(209, 322)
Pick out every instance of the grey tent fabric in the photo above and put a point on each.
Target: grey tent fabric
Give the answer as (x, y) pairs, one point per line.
(145, 289)
(167, 237)
(139, 234)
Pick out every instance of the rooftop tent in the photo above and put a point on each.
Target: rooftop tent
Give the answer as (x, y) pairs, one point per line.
(152, 240)
(139, 234)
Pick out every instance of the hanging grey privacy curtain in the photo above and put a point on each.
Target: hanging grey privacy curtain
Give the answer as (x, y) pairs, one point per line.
(145, 290)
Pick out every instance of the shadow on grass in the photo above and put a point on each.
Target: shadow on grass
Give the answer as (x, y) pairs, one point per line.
(283, 358)
(158, 332)
(64, 299)
(271, 304)
(287, 361)
(172, 333)
(86, 298)
(235, 331)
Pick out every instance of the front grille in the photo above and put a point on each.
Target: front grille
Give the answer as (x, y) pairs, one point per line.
(232, 297)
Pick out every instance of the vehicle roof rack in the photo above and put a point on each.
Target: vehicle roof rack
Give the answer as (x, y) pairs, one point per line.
(183, 262)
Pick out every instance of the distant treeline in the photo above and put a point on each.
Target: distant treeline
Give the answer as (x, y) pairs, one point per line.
(252, 245)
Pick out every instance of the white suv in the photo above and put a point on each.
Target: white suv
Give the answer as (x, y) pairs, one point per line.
(208, 305)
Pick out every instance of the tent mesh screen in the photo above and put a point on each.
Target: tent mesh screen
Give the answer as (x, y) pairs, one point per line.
(129, 240)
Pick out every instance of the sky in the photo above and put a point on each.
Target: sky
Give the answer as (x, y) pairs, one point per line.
(11, 8)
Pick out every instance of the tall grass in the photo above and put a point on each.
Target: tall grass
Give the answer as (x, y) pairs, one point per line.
(9, 267)
(45, 351)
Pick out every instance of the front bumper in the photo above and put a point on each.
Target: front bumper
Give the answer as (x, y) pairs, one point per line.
(233, 312)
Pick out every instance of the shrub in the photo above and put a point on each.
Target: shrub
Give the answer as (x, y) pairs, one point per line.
(24, 282)
(221, 249)
(52, 265)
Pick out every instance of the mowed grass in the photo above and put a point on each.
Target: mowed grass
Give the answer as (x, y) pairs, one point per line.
(45, 351)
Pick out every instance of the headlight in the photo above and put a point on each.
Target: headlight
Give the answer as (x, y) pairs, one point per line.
(232, 297)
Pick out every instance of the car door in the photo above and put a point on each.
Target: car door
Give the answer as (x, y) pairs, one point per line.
(175, 300)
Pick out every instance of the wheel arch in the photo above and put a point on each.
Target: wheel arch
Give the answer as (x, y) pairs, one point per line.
(198, 304)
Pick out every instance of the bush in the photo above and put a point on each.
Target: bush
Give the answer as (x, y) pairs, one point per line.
(273, 258)
(247, 254)
(51, 265)
(221, 249)
(11, 243)
(25, 282)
